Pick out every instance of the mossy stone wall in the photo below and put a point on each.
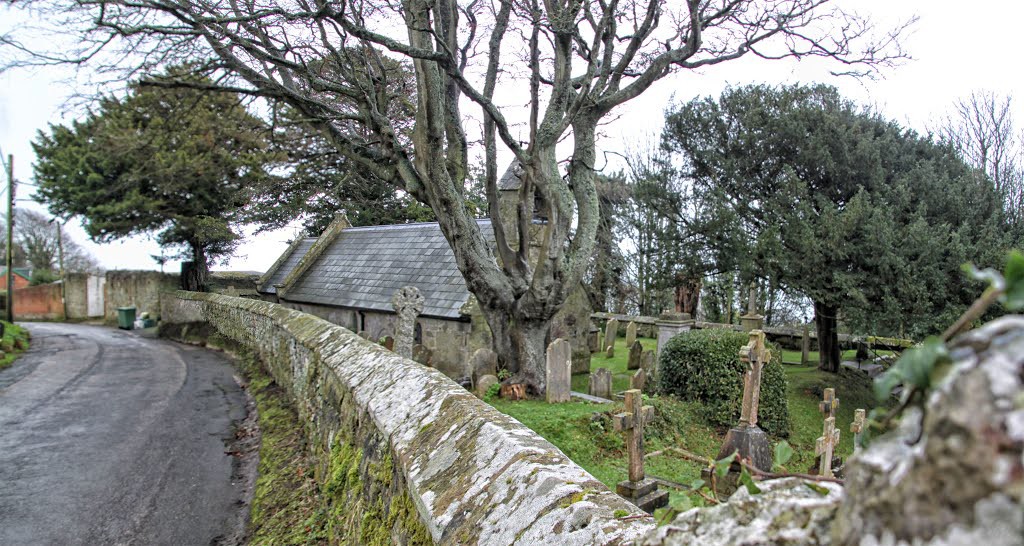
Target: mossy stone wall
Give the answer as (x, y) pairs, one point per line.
(407, 455)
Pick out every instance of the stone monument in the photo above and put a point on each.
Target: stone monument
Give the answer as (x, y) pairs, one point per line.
(638, 489)
(747, 438)
(826, 445)
(408, 304)
(857, 428)
(635, 353)
(559, 372)
(601, 383)
(630, 333)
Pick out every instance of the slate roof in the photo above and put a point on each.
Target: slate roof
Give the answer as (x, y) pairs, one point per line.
(511, 180)
(364, 266)
(23, 272)
(297, 252)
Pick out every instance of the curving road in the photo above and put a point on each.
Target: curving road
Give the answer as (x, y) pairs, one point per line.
(108, 437)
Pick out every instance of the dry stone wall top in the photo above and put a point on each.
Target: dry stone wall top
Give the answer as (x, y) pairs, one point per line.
(474, 475)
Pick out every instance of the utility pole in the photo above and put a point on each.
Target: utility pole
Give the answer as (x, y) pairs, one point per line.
(10, 239)
(60, 264)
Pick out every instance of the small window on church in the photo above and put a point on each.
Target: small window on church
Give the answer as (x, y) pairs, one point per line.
(417, 336)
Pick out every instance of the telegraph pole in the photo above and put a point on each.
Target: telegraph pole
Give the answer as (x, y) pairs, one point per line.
(60, 263)
(10, 239)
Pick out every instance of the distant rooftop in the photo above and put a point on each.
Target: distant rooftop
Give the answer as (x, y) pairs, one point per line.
(364, 266)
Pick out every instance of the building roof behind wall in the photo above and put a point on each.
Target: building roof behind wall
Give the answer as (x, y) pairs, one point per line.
(364, 266)
(285, 266)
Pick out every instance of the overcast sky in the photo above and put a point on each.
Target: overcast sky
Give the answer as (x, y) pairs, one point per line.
(957, 48)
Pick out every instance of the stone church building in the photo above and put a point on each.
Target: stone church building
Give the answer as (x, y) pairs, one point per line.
(349, 274)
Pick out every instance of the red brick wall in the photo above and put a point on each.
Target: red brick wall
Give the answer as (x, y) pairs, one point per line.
(38, 302)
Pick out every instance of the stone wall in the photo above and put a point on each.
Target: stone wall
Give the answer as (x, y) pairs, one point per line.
(139, 289)
(393, 435)
(76, 295)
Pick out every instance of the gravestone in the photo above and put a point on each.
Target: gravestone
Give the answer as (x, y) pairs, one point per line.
(826, 445)
(857, 427)
(421, 354)
(483, 362)
(559, 372)
(484, 383)
(635, 352)
(805, 346)
(601, 383)
(594, 340)
(650, 367)
(610, 351)
(638, 489)
(630, 333)
(600, 342)
(389, 343)
(611, 331)
(408, 304)
(747, 438)
(638, 380)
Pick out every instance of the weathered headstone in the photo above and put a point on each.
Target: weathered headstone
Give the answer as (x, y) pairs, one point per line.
(630, 333)
(484, 384)
(805, 346)
(601, 383)
(635, 352)
(826, 445)
(611, 331)
(650, 367)
(408, 304)
(857, 427)
(594, 340)
(638, 380)
(748, 439)
(610, 350)
(389, 343)
(483, 362)
(559, 372)
(638, 489)
(600, 342)
(421, 354)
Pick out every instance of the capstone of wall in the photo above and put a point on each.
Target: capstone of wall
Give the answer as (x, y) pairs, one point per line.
(392, 434)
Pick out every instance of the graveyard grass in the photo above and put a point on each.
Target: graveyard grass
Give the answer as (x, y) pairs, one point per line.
(14, 342)
(584, 431)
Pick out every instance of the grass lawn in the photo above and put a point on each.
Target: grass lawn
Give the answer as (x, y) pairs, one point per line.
(616, 365)
(793, 357)
(14, 342)
(584, 431)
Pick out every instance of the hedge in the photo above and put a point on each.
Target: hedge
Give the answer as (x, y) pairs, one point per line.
(704, 366)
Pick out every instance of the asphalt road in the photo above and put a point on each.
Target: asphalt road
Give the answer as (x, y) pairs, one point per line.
(107, 437)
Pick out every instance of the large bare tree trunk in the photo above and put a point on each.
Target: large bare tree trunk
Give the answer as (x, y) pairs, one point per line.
(826, 323)
(194, 273)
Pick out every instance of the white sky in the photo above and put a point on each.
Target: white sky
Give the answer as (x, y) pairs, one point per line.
(955, 49)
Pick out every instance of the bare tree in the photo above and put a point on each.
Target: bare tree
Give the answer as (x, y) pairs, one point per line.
(981, 129)
(36, 235)
(574, 61)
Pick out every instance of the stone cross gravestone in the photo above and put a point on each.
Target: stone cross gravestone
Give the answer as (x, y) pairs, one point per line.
(601, 383)
(408, 304)
(638, 380)
(630, 333)
(826, 445)
(857, 427)
(635, 352)
(638, 489)
(747, 438)
(559, 372)
(611, 331)
(752, 320)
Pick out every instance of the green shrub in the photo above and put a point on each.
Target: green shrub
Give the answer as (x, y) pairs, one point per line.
(704, 366)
